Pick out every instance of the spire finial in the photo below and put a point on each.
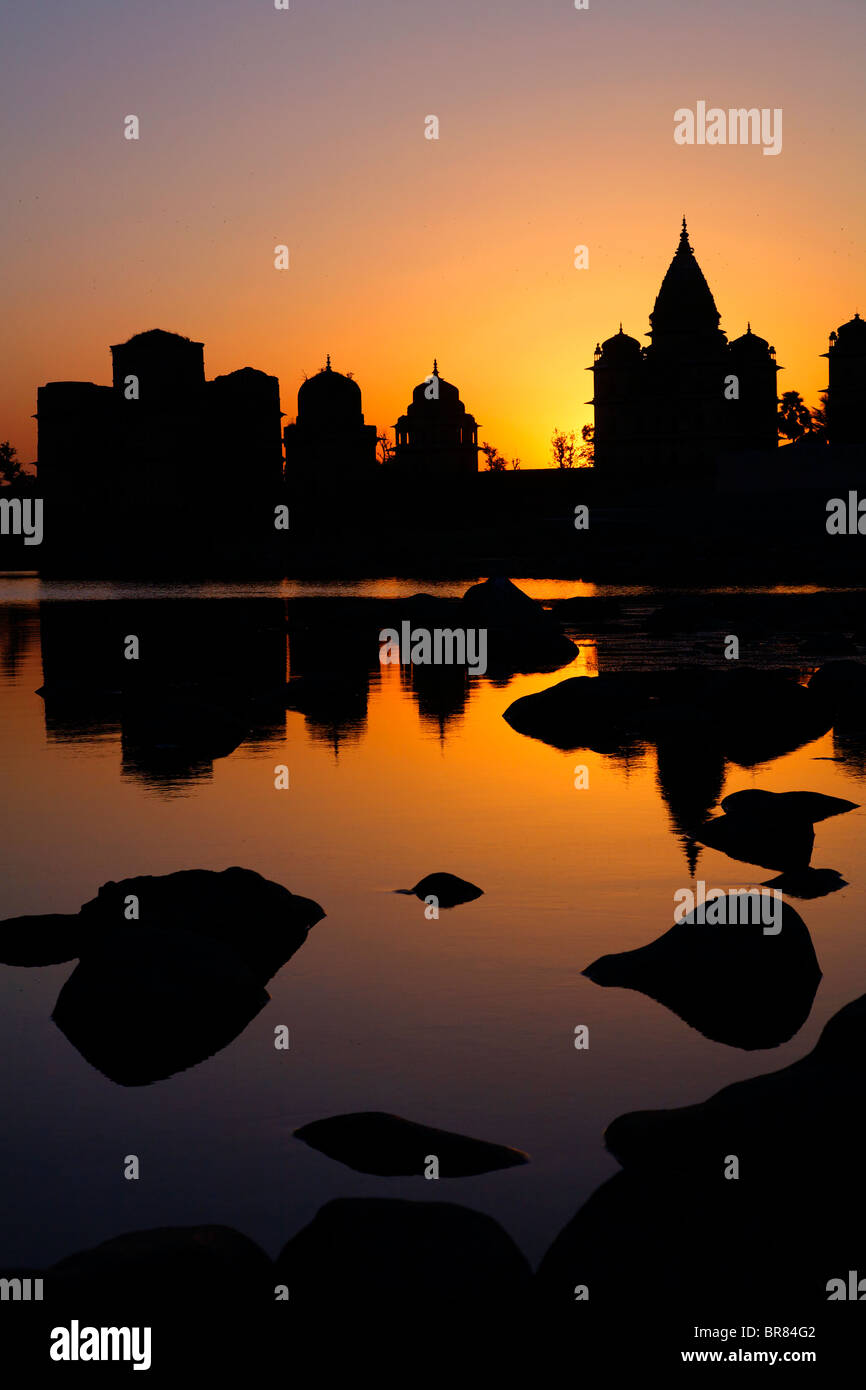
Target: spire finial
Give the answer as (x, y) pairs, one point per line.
(749, 326)
(620, 325)
(328, 368)
(435, 366)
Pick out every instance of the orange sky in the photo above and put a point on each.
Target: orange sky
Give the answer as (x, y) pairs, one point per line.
(307, 128)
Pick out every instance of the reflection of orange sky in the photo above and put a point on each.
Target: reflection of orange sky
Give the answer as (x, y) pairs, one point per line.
(466, 1022)
(556, 129)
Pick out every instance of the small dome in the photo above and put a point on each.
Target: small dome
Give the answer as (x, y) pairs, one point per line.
(750, 345)
(620, 348)
(330, 395)
(851, 337)
(447, 394)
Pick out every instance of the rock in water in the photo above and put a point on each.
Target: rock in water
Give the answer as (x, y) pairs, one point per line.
(144, 1004)
(448, 889)
(732, 983)
(261, 921)
(416, 1256)
(172, 968)
(811, 1110)
(48, 940)
(808, 884)
(808, 806)
(521, 634)
(778, 842)
(372, 1141)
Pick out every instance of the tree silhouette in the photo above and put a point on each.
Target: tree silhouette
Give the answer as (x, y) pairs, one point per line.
(384, 448)
(819, 420)
(10, 469)
(563, 447)
(586, 452)
(795, 419)
(495, 462)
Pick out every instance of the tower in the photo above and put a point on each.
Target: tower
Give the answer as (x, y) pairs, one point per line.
(847, 389)
(329, 438)
(662, 412)
(437, 437)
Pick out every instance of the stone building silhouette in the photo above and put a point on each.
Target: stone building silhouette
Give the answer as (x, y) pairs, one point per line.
(846, 392)
(437, 437)
(668, 412)
(329, 439)
(162, 461)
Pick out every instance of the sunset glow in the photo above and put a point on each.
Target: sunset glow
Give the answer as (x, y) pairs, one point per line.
(306, 127)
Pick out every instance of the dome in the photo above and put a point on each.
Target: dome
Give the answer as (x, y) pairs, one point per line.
(448, 395)
(750, 345)
(331, 397)
(851, 337)
(620, 348)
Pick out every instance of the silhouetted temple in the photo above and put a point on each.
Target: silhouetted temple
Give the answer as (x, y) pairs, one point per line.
(329, 437)
(437, 437)
(847, 389)
(161, 457)
(669, 411)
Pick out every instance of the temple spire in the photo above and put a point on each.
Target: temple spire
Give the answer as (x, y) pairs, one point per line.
(435, 367)
(328, 367)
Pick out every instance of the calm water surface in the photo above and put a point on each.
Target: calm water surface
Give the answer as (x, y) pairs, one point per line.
(466, 1022)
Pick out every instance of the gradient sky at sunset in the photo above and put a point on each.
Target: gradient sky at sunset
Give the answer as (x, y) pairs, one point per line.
(306, 127)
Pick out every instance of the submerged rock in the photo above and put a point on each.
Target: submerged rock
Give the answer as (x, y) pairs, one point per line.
(448, 889)
(733, 983)
(372, 1141)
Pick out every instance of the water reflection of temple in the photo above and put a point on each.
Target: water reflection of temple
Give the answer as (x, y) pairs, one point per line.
(209, 675)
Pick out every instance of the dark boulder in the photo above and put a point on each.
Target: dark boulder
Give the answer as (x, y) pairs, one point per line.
(521, 634)
(808, 1114)
(809, 806)
(419, 1257)
(47, 940)
(733, 983)
(262, 922)
(448, 889)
